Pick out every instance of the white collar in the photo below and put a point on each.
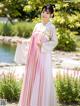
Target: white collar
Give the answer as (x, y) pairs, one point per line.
(46, 23)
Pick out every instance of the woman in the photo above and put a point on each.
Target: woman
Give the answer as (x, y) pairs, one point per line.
(38, 86)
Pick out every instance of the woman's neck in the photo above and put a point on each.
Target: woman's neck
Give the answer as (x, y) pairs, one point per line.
(45, 22)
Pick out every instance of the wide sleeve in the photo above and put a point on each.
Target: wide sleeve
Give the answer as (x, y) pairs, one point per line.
(51, 44)
(35, 27)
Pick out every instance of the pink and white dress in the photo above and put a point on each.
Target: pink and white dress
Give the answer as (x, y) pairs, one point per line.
(38, 88)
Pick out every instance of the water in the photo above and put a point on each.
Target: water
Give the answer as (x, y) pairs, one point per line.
(7, 53)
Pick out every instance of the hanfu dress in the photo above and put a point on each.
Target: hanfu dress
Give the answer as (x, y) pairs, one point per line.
(38, 88)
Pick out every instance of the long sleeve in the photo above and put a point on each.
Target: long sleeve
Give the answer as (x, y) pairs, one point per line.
(50, 45)
(35, 27)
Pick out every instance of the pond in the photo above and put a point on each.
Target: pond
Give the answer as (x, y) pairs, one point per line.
(7, 53)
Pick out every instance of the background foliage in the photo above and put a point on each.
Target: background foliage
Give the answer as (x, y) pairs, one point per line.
(66, 20)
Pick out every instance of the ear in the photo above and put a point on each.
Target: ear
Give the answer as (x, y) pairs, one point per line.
(51, 15)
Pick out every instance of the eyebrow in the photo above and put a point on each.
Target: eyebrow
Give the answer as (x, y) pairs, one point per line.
(46, 10)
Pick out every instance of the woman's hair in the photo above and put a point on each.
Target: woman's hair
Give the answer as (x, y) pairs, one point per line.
(49, 8)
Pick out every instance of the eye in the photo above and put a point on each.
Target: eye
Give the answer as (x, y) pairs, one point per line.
(48, 12)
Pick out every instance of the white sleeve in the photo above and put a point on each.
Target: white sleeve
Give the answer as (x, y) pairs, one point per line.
(50, 45)
(35, 27)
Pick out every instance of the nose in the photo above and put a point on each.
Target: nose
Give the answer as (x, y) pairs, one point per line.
(44, 14)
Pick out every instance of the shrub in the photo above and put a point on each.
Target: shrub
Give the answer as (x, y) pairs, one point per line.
(10, 87)
(36, 20)
(1, 28)
(68, 88)
(6, 30)
(22, 29)
(65, 40)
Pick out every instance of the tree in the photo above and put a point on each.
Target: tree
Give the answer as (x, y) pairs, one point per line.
(13, 9)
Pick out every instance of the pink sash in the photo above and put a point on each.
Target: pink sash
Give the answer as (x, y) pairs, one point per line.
(33, 65)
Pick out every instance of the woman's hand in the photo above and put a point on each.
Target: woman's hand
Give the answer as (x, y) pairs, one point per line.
(44, 39)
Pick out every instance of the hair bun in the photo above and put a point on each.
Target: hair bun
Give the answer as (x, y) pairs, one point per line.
(53, 5)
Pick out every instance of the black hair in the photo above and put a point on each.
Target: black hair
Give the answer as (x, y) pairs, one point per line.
(49, 8)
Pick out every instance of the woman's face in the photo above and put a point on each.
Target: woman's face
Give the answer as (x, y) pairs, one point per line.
(45, 16)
